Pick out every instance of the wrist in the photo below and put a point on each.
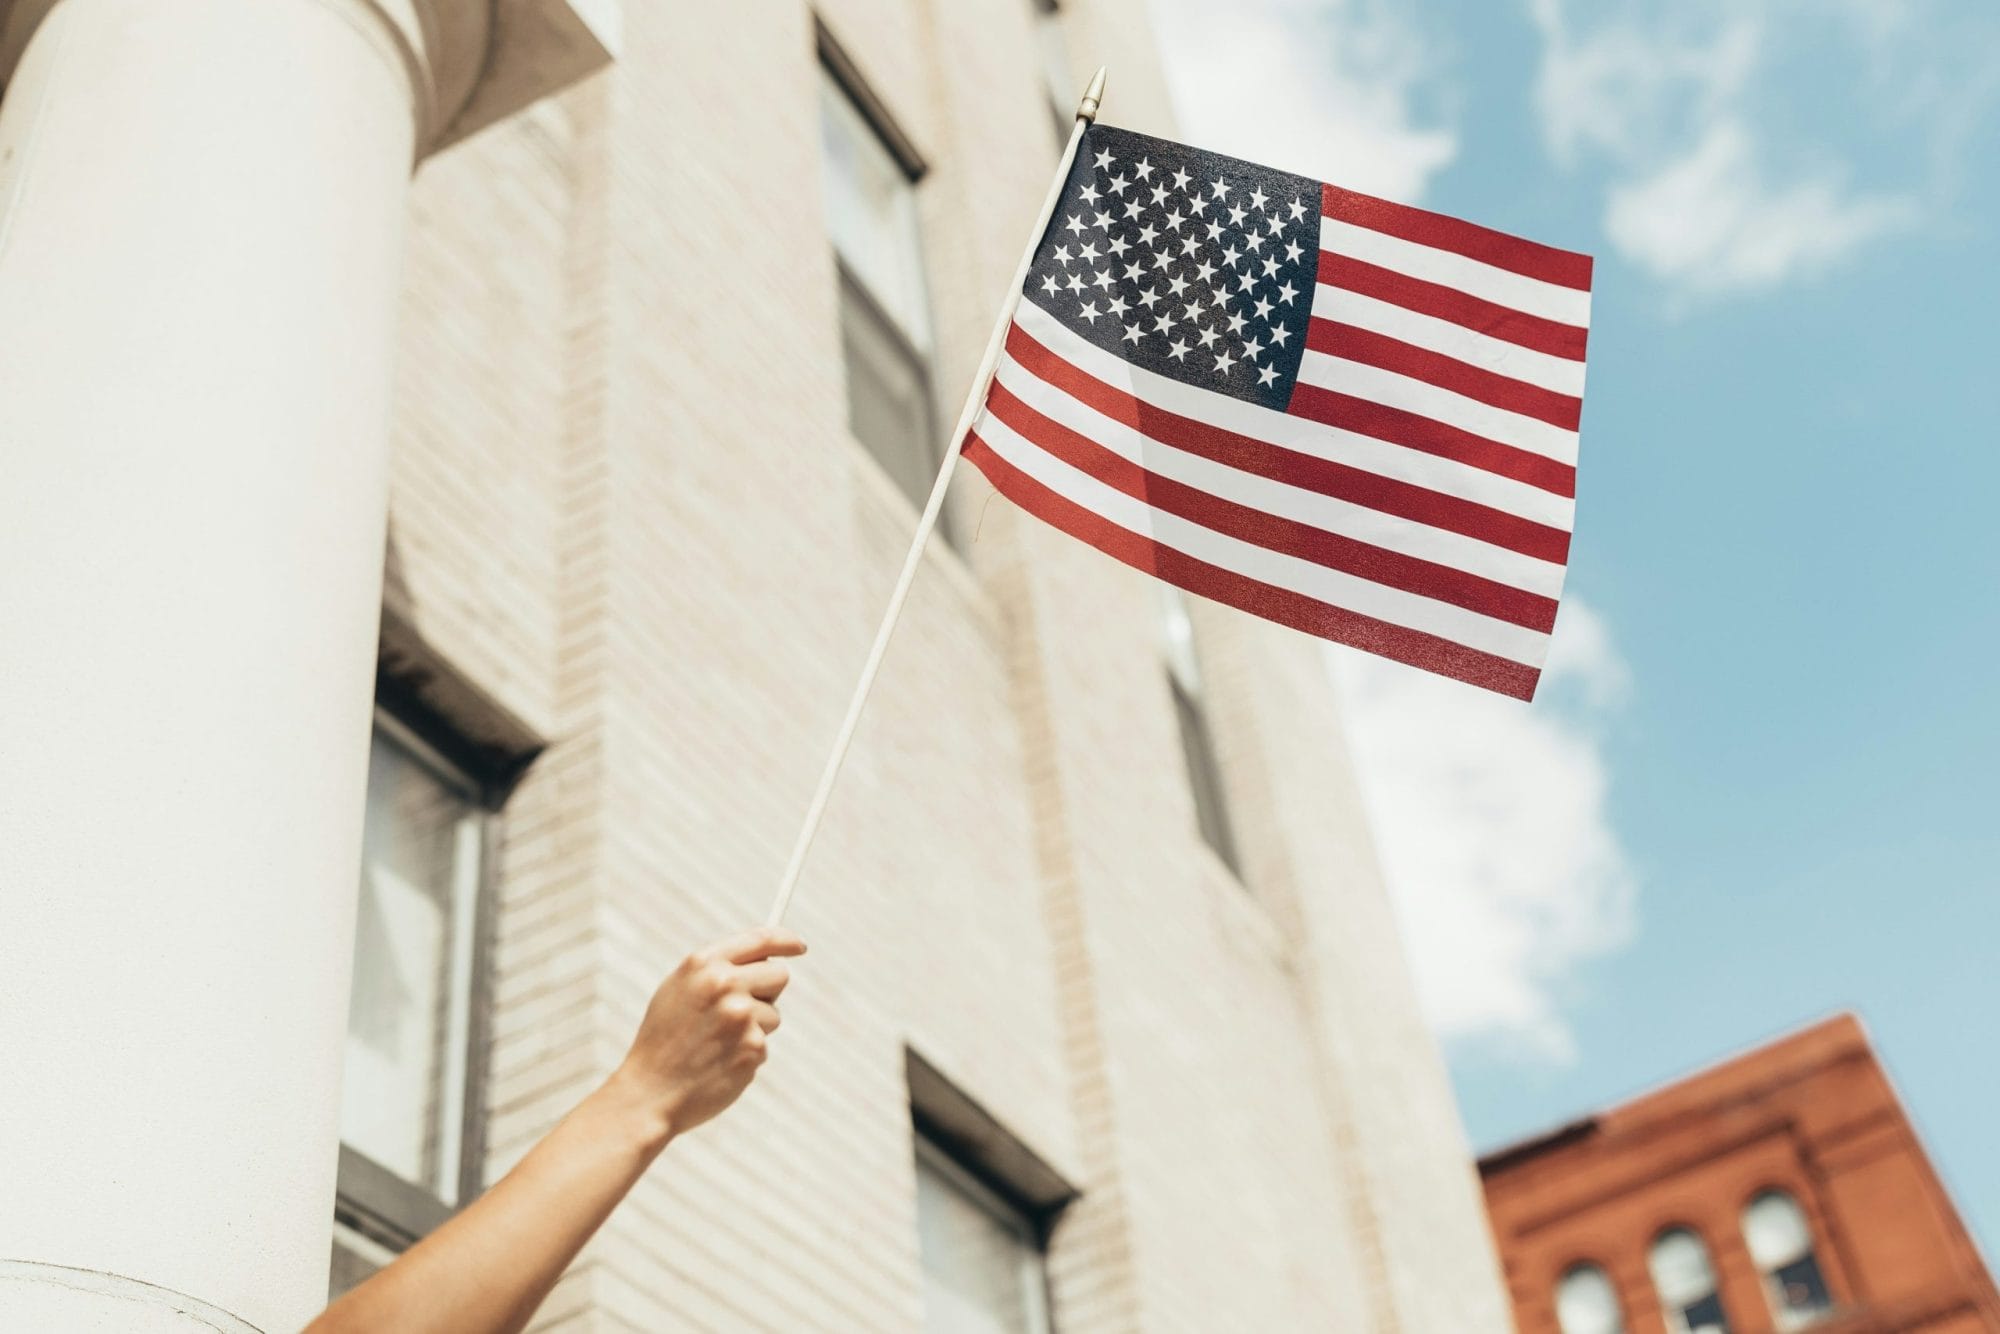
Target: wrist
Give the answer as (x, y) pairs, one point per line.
(635, 1113)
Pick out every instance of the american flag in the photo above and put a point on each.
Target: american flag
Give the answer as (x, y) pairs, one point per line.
(1346, 415)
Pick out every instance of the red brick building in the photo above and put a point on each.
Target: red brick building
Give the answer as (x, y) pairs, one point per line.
(1782, 1190)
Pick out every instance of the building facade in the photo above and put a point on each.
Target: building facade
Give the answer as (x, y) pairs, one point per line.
(1782, 1190)
(1106, 1024)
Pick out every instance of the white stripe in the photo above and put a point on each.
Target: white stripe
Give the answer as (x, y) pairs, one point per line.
(1483, 351)
(1504, 287)
(1349, 448)
(1441, 405)
(1403, 536)
(1265, 566)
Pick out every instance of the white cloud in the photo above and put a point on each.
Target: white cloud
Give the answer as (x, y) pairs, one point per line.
(1492, 827)
(1683, 103)
(1714, 222)
(1325, 88)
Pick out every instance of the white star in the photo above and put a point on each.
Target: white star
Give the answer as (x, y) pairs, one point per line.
(1117, 185)
(1101, 221)
(1220, 189)
(1090, 312)
(1162, 323)
(1133, 272)
(1266, 374)
(1147, 233)
(1088, 194)
(1236, 215)
(1223, 361)
(1296, 209)
(1292, 251)
(1104, 160)
(1254, 241)
(1177, 350)
(1161, 258)
(1214, 231)
(1133, 333)
(1117, 305)
(1159, 194)
(1230, 255)
(1270, 267)
(1258, 199)
(1180, 179)
(1252, 349)
(1274, 228)
(1149, 299)
(1119, 246)
(1236, 322)
(1133, 208)
(1286, 293)
(1088, 251)
(1263, 309)
(1075, 225)
(1245, 281)
(1279, 333)
(1219, 299)
(1209, 336)
(1060, 254)
(1204, 270)
(1175, 219)
(1144, 169)
(1190, 244)
(1050, 285)
(1103, 279)
(1075, 282)
(1177, 285)
(1197, 205)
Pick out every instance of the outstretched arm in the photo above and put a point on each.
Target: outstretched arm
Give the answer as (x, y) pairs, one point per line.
(488, 1268)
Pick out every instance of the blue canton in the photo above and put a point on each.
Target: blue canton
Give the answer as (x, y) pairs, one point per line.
(1192, 265)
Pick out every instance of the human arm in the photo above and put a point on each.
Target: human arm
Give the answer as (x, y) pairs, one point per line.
(487, 1269)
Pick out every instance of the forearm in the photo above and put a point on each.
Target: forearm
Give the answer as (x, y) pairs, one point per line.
(488, 1268)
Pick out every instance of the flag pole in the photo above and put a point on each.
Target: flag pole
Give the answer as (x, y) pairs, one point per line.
(1086, 113)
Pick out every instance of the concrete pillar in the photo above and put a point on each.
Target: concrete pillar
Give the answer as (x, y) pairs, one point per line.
(201, 209)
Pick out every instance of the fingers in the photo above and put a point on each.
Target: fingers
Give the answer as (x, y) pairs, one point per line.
(767, 1016)
(765, 980)
(766, 942)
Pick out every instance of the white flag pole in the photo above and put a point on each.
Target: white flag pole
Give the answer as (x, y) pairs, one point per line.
(1086, 112)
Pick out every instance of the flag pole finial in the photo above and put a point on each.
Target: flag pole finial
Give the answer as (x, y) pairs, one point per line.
(1087, 108)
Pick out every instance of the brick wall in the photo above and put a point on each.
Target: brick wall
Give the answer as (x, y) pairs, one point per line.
(626, 506)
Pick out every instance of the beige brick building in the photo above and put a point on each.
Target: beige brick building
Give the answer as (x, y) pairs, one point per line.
(1104, 984)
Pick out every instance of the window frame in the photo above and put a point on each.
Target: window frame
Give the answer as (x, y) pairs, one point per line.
(372, 1200)
(1782, 1316)
(1002, 1209)
(1578, 1267)
(1673, 1314)
(1208, 788)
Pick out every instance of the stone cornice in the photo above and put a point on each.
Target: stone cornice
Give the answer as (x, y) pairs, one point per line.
(469, 63)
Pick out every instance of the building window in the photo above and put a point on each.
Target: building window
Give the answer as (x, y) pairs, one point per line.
(1587, 1303)
(1780, 1242)
(1054, 51)
(408, 1095)
(982, 1255)
(885, 330)
(1191, 711)
(1685, 1280)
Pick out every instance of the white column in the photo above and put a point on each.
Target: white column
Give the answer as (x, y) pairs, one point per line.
(201, 210)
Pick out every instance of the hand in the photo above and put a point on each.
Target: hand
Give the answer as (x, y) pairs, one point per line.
(707, 1028)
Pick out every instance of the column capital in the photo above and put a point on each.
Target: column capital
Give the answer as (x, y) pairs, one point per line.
(469, 62)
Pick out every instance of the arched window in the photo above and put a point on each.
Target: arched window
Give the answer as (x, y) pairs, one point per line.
(1685, 1280)
(1586, 1303)
(1780, 1241)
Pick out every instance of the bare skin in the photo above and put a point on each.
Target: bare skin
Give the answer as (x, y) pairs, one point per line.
(705, 1033)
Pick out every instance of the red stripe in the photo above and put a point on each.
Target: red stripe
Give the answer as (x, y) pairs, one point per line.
(1273, 532)
(1413, 647)
(1248, 454)
(1350, 343)
(1448, 303)
(1530, 259)
(1431, 437)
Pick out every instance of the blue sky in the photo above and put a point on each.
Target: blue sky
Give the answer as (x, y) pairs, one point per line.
(1764, 783)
